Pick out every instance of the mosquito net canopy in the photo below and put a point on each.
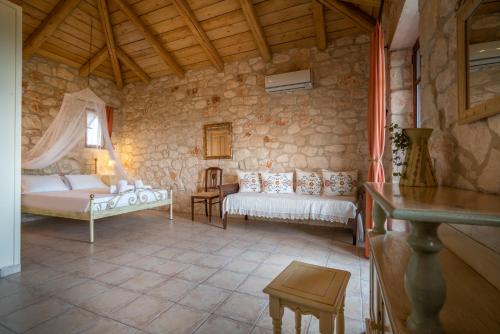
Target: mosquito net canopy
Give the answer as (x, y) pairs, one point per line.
(69, 129)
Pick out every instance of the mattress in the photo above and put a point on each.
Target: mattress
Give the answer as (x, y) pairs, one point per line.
(79, 200)
(292, 206)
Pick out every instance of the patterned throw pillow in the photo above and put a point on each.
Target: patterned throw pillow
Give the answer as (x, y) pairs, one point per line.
(249, 182)
(308, 183)
(340, 183)
(277, 183)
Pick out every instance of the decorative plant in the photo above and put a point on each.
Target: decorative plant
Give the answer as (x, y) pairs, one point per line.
(400, 143)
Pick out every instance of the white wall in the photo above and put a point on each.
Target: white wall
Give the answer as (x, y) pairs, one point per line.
(10, 136)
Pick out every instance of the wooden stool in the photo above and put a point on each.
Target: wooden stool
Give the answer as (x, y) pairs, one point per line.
(309, 289)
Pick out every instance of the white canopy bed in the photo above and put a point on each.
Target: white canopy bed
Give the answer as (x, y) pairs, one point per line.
(82, 197)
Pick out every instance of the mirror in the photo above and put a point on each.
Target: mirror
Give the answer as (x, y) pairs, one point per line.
(478, 59)
(217, 141)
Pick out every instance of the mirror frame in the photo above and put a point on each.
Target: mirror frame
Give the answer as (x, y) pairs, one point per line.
(207, 127)
(487, 108)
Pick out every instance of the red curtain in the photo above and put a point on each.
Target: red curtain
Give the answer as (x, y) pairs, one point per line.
(376, 118)
(109, 119)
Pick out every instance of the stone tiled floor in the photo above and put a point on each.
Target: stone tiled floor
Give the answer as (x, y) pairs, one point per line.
(147, 275)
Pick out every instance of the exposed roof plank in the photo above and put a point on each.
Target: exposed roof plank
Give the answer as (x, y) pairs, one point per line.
(94, 62)
(148, 35)
(102, 6)
(199, 34)
(319, 24)
(48, 26)
(132, 65)
(359, 17)
(256, 28)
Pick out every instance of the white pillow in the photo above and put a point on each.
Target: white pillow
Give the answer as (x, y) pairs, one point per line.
(85, 182)
(42, 183)
(339, 183)
(249, 182)
(308, 183)
(277, 183)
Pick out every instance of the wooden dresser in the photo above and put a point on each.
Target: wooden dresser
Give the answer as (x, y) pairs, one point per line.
(416, 284)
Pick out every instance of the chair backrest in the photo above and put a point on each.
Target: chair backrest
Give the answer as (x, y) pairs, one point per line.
(213, 178)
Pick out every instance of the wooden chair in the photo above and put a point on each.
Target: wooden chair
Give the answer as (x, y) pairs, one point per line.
(211, 195)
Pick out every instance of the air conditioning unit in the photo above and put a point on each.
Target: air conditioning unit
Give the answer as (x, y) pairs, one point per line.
(290, 81)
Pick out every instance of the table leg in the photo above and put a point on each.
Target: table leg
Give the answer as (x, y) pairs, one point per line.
(210, 210)
(379, 218)
(298, 322)
(276, 312)
(326, 323)
(424, 282)
(340, 318)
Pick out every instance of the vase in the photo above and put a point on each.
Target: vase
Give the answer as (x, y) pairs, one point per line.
(418, 169)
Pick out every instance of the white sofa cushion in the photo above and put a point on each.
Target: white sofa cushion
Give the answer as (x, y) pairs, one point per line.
(277, 183)
(249, 182)
(308, 183)
(42, 183)
(339, 183)
(291, 206)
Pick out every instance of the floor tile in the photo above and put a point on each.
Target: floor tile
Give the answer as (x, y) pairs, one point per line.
(242, 307)
(81, 293)
(241, 266)
(109, 301)
(26, 318)
(221, 325)
(108, 326)
(254, 285)
(141, 311)
(170, 268)
(196, 274)
(118, 276)
(169, 253)
(74, 320)
(226, 279)
(144, 281)
(18, 300)
(267, 270)
(204, 298)
(177, 320)
(288, 321)
(255, 256)
(173, 289)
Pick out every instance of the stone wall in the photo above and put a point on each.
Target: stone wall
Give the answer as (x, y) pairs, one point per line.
(161, 133)
(466, 156)
(400, 93)
(44, 85)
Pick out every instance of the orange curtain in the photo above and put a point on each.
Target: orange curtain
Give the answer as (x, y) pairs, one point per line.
(376, 118)
(109, 119)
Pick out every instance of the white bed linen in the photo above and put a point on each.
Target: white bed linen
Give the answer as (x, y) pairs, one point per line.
(292, 206)
(78, 200)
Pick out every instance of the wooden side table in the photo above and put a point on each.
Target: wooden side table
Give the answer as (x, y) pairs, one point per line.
(309, 289)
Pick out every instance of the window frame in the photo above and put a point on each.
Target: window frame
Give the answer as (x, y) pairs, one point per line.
(87, 145)
(416, 60)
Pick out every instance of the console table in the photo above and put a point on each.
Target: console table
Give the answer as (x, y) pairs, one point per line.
(419, 251)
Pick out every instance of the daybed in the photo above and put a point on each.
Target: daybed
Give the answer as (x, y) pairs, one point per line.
(92, 204)
(313, 209)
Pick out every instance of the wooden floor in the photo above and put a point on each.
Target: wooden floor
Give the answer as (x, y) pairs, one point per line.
(147, 275)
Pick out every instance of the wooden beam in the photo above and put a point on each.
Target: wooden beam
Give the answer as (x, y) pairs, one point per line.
(149, 36)
(319, 24)
(369, 3)
(102, 6)
(355, 14)
(48, 26)
(94, 62)
(132, 65)
(199, 34)
(256, 29)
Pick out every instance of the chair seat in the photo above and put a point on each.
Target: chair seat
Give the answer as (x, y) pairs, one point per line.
(206, 194)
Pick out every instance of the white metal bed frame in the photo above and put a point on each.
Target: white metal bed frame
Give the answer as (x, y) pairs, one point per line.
(95, 212)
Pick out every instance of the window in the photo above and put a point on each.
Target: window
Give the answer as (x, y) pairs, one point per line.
(417, 88)
(93, 136)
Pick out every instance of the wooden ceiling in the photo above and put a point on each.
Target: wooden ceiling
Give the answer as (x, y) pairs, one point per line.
(143, 39)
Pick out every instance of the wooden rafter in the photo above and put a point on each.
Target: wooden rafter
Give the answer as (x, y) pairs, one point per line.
(199, 34)
(355, 14)
(94, 62)
(48, 26)
(256, 29)
(132, 65)
(319, 24)
(369, 3)
(102, 6)
(149, 36)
